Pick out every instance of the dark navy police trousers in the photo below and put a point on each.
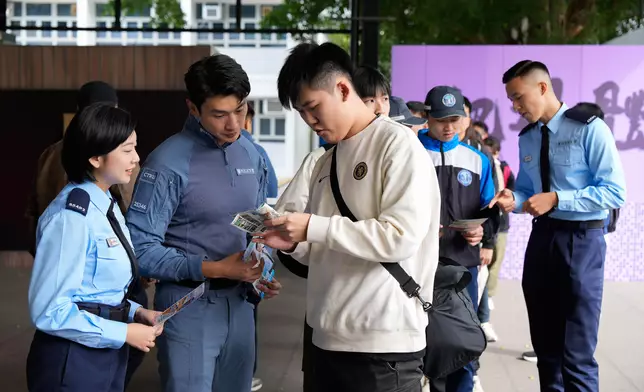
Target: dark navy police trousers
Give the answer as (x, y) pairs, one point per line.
(59, 365)
(563, 280)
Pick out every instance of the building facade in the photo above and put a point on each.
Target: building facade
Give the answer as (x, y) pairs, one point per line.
(281, 132)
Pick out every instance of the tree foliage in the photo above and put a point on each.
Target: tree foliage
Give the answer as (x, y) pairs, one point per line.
(471, 21)
(166, 12)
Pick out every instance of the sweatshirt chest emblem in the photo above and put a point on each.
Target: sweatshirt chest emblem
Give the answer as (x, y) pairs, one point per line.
(360, 171)
(464, 177)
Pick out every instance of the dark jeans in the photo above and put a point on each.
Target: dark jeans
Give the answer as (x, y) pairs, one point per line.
(360, 372)
(484, 307)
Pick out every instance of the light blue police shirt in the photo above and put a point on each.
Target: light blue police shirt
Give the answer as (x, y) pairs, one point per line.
(79, 259)
(585, 169)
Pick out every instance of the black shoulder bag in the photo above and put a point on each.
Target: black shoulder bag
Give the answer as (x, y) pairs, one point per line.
(454, 335)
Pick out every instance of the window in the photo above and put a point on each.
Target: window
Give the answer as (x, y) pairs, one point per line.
(66, 9)
(17, 9)
(146, 11)
(273, 105)
(101, 34)
(280, 127)
(269, 121)
(132, 34)
(248, 11)
(265, 126)
(233, 36)
(103, 10)
(38, 9)
(265, 10)
(46, 33)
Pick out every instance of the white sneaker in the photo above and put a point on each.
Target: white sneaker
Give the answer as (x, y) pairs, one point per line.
(425, 384)
(490, 334)
(256, 385)
(490, 303)
(477, 385)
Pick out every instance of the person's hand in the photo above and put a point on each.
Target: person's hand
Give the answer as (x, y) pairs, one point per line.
(146, 316)
(147, 282)
(440, 232)
(233, 267)
(292, 227)
(486, 256)
(270, 289)
(141, 336)
(504, 199)
(473, 237)
(540, 203)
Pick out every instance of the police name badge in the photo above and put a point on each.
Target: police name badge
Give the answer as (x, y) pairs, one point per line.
(112, 242)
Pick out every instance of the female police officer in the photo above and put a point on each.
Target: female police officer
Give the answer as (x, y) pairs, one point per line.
(85, 264)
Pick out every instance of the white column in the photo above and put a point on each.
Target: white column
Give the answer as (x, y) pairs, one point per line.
(86, 17)
(189, 10)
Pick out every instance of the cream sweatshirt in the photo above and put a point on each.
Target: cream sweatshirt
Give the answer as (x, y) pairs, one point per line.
(389, 183)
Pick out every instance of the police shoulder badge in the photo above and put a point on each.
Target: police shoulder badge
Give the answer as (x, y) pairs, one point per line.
(360, 171)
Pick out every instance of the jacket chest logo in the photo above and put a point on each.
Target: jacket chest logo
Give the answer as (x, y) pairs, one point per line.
(360, 171)
(464, 177)
(245, 172)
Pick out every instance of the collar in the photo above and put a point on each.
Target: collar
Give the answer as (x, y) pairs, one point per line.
(247, 135)
(556, 120)
(434, 144)
(193, 126)
(98, 197)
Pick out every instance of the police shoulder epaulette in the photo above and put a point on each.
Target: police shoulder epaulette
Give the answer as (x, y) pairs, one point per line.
(78, 200)
(527, 128)
(581, 116)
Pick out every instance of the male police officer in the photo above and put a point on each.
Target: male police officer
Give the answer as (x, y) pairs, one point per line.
(570, 174)
(189, 189)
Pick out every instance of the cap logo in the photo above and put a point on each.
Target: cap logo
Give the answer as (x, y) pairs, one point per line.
(449, 100)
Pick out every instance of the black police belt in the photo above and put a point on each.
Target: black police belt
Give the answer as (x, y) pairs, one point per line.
(569, 225)
(120, 312)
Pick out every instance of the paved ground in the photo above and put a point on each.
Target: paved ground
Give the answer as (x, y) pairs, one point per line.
(281, 321)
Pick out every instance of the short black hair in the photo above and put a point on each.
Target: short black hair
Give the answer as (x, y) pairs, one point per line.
(493, 143)
(522, 68)
(369, 82)
(590, 108)
(217, 75)
(96, 131)
(467, 104)
(95, 91)
(251, 111)
(416, 107)
(311, 65)
(482, 125)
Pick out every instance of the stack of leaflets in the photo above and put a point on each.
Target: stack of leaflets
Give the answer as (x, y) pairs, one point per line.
(252, 221)
(260, 254)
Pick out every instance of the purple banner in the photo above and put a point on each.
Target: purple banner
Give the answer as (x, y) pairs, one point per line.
(611, 76)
